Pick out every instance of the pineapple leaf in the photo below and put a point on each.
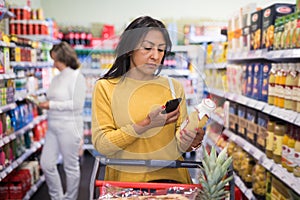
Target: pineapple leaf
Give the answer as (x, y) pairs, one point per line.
(212, 173)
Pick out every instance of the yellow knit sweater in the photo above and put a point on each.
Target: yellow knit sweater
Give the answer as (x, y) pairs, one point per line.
(116, 105)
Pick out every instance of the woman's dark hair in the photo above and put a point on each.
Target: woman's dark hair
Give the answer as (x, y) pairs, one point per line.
(129, 40)
(66, 54)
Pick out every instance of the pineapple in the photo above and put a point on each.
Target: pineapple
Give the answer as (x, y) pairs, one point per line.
(213, 175)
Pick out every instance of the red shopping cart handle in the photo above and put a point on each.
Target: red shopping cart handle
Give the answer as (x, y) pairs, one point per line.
(151, 163)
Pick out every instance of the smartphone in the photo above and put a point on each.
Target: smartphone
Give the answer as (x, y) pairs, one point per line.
(171, 105)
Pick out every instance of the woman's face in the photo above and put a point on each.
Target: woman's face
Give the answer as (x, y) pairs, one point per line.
(59, 65)
(148, 55)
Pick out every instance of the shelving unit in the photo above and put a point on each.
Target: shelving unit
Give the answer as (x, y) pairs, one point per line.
(288, 116)
(38, 64)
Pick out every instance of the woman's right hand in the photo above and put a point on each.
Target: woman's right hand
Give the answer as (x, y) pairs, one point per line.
(157, 119)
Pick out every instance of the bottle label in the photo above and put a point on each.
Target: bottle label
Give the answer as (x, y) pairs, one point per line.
(277, 146)
(270, 140)
(290, 157)
(284, 153)
(297, 163)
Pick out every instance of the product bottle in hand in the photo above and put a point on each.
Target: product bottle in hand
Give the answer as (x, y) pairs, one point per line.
(198, 118)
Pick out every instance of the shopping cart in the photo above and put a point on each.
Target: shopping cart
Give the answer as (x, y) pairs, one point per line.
(101, 162)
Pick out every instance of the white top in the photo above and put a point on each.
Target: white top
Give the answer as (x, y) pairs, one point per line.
(66, 95)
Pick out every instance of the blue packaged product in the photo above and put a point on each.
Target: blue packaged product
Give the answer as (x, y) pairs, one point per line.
(263, 95)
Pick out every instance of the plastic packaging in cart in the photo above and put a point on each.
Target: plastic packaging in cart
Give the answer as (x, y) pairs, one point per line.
(175, 192)
(199, 117)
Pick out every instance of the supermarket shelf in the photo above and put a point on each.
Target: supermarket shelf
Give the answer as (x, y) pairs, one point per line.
(247, 192)
(175, 72)
(264, 54)
(7, 107)
(270, 165)
(34, 188)
(21, 131)
(7, 76)
(21, 159)
(80, 48)
(215, 66)
(31, 64)
(286, 115)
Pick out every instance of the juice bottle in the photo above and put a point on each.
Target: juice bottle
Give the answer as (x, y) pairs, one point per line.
(284, 152)
(296, 170)
(271, 88)
(278, 75)
(290, 164)
(290, 83)
(279, 130)
(270, 138)
(281, 86)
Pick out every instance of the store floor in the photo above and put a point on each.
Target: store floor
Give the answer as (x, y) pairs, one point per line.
(86, 170)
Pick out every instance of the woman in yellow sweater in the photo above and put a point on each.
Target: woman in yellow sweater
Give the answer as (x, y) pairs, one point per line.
(127, 105)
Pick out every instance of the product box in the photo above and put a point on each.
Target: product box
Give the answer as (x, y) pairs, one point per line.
(246, 22)
(242, 122)
(250, 74)
(264, 82)
(244, 79)
(256, 84)
(262, 123)
(256, 30)
(270, 14)
(251, 125)
(233, 118)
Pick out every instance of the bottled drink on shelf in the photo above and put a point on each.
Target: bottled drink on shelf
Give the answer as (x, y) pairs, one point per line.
(270, 138)
(279, 130)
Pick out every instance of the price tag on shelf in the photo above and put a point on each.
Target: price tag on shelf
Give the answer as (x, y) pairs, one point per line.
(266, 163)
(249, 194)
(6, 139)
(268, 109)
(258, 53)
(233, 138)
(252, 103)
(14, 165)
(276, 112)
(12, 136)
(297, 120)
(277, 54)
(242, 100)
(260, 105)
(247, 148)
(9, 169)
(2, 175)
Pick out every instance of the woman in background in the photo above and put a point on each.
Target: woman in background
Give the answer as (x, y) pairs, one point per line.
(65, 101)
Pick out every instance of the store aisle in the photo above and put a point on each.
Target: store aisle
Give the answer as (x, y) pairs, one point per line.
(86, 169)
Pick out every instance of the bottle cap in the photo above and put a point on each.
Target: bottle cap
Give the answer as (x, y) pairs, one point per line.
(206, 107)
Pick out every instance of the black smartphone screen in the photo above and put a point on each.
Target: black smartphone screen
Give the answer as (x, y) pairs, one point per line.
(171, 105)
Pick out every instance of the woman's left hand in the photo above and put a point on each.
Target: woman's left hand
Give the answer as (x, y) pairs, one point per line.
(191, 140)
(44, 105)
